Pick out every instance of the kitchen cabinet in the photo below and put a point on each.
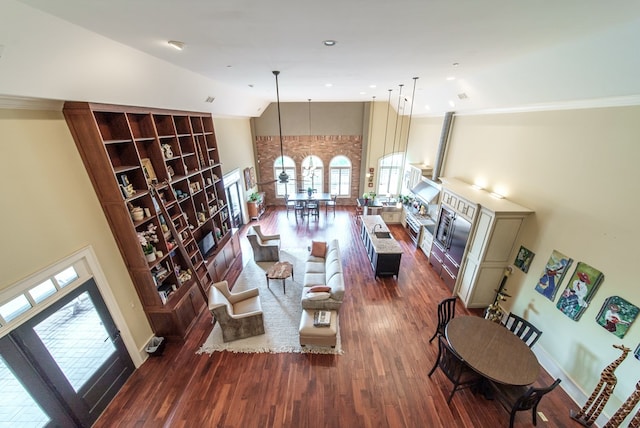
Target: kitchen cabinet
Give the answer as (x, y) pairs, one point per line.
(391, 215)
(496, 224)
(413, 174)
(426, 241)
(384, 253)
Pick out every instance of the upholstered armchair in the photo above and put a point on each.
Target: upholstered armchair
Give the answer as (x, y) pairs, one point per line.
(266, 248)
(239, 314)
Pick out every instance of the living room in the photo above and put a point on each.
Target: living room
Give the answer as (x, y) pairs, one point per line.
(564, 164)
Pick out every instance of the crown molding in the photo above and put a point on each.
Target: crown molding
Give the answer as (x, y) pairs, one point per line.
(24, 103)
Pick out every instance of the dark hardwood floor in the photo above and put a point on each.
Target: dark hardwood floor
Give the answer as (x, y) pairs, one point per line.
(380, 381)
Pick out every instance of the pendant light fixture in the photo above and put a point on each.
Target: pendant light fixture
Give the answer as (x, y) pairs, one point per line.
(413, 97)
(373, 103)
(283, 177)
(398, 118)
(309, 169)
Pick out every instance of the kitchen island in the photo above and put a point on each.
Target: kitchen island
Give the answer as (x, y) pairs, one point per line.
(383, 250)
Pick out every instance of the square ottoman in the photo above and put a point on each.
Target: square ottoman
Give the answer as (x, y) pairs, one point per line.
(312, 335)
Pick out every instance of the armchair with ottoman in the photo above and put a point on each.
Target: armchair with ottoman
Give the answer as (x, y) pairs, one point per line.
(239, 314)
(266, 248)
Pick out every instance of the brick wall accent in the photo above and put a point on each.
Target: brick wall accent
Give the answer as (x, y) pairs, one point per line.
(326, 147)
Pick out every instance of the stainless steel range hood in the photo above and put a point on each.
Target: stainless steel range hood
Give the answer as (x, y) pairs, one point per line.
(426, 190)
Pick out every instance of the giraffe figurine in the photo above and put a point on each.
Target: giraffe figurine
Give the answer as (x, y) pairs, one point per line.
(635, 422)
(600, 395)
(625, 409)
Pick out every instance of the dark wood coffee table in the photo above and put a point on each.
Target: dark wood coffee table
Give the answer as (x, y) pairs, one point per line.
(280, 270)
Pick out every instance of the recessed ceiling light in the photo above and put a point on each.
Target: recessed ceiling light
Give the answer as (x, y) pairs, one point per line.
(363, 93)
(329, 42)
(451, 78)
(372, 86)
(328, 85)
(176, 44)
(452, 104)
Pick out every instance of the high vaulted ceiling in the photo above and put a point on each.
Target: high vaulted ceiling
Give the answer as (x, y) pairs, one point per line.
(469, 55)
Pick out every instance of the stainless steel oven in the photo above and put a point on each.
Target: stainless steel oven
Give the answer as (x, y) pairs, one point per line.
(413, 227)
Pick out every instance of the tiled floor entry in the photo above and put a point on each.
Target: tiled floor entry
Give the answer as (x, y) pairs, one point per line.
(78, 342)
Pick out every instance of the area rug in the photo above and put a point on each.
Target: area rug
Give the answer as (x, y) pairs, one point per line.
(282, 312)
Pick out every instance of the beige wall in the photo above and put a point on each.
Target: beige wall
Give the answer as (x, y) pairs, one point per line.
(51, 211)
(236, 149)
(326, 119)
(578, 170)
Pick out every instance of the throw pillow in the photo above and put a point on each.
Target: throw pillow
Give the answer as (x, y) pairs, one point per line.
(319, 289)
(318, 248)
(318, 296)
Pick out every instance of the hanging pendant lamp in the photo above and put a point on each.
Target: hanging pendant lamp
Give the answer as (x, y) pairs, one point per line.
(310, 168)
(283, 177)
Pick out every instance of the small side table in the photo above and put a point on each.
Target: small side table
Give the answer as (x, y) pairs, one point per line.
(280, 270)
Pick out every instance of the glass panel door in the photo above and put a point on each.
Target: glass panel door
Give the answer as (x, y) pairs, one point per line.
(76, 339)
(77, 348)
(17, 407)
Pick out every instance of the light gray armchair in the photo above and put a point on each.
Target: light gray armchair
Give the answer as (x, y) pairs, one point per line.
(239, 314)
(266, 248)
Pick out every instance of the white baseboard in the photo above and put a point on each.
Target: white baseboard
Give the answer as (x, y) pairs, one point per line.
(567, 384)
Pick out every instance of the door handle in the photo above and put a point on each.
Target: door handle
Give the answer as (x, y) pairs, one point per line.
(115, 337)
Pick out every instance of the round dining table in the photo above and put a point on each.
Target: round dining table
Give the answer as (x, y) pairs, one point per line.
(492, 350)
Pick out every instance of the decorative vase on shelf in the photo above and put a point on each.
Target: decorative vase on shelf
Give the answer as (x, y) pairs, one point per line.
(137, 214)
(309, 192)
(150, 253)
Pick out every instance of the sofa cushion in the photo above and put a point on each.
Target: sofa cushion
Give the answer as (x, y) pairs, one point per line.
(318, 296)
(311, 279)
(318, 248)
(332, 267)
(319, 289)
(315, 267)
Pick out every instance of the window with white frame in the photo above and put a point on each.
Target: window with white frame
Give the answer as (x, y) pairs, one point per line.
(312, 173)
(289, 166)
(340, 176)
(21, 301)
(389, 174)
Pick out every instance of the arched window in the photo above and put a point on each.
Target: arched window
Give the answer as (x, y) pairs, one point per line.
(290, 169)
(390, 168)
(312, 173)
(340, 176)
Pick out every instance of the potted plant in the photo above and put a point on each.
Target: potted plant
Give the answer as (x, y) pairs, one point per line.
(365, 196)
(147, 238)
(254, 197)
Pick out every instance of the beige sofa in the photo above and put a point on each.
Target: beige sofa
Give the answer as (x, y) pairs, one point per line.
(327, 271)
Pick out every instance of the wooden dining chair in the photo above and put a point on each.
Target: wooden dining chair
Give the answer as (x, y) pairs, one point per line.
(299, 209)
(520, 398)
(331, 203)
(523, 329)
(291, 205)
(313, 209)
(446, 311)
(454, 368)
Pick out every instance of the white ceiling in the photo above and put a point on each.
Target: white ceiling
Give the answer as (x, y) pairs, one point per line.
(511, 54)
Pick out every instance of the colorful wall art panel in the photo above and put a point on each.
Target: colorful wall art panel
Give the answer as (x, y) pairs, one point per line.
(524, 259)
(552, 275)
(582, 286)
(616, 315)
